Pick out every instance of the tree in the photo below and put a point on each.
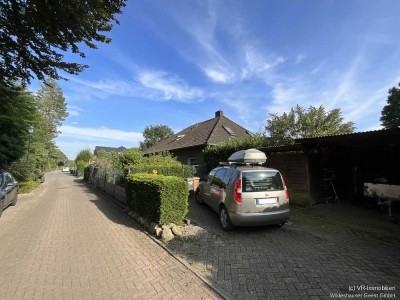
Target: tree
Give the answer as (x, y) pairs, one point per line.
(390, 116)
(84, 155)
(52, 106)
(18, 112)
(131, 157)
(34, 33)
(301, 123)
(153, 134)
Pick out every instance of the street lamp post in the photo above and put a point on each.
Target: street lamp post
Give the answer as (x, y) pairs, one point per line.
(30, 130)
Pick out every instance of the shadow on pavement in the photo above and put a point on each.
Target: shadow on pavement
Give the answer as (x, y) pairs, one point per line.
(110, 207)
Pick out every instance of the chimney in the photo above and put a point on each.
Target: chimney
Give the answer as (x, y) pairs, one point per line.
(219, 113)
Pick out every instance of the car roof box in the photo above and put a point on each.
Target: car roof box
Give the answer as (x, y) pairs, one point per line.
(249, 156)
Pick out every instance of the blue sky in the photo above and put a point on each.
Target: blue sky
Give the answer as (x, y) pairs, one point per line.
(176, 62)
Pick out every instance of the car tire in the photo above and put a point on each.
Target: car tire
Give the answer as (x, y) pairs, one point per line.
(224, 219)
(14, 202)
(198, 198)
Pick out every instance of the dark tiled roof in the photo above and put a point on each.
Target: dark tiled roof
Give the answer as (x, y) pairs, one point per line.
(109, 149)
(208, 132)
(356, 136)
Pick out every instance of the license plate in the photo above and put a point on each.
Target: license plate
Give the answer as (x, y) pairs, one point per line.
(265, 201)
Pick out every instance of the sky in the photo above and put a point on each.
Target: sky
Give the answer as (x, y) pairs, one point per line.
(177, 62)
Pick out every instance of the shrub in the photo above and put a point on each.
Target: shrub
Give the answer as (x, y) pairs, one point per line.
(22, 170)
(214, 154)
(86, 173)
(28, 186)
(164, 164)
(159, 199)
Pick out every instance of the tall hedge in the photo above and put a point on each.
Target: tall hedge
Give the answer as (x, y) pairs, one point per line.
(214, 154)
(160, 199)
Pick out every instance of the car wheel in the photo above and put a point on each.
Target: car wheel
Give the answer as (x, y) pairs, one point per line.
(224, 219)
(198, 198)
(14, 202)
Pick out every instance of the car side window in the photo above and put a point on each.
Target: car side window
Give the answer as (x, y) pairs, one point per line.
(8, 179)
(210, 176)
(227, 176)
(218, 178)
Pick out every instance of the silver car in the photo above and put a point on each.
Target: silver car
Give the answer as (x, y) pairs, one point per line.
(245, 194)
(8, 191)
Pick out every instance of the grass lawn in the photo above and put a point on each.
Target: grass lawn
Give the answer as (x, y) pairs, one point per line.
(28, 186)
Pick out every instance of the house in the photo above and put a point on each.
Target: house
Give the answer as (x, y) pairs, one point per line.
(119, 150)
(187, 145)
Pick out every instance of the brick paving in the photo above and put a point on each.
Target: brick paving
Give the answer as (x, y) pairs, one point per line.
(65, 242)
(310, 258)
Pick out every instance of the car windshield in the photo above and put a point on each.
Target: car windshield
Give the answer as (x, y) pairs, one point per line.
(262, 181)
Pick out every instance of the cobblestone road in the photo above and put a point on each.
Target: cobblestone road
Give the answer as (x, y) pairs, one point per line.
(65, 242)
(310, 258)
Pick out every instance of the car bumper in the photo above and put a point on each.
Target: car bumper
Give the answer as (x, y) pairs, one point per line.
(258, 219)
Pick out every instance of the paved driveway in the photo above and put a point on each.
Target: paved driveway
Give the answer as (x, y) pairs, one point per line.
(66, 242)
(313, 257)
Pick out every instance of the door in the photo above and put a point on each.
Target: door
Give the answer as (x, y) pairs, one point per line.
(217, 189)
(10, 189)
(205, 192)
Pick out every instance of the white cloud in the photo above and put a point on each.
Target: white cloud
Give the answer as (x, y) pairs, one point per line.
(168, 86)
(299, 58)
(101, 133)
(74, 111)
(148, 84)
(218, 76)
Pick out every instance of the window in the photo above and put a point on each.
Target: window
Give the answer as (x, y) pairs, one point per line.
(262, 181)
(210, 176)
(229, 130)
(192, 161)
(218, 178)
(9, 179)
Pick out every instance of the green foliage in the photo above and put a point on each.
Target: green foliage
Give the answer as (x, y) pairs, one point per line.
(159, 199)
(153, 134)
(164, 164)
(390, 117)
(86, 173)
(34, 34)
(80, 166)
(23, 170)
(107, 160)
(28, 126)
(214, 154)
(28, 186)
(131, 156)
(18, 111)
(302, 123)
(52, 107)
(84, 155)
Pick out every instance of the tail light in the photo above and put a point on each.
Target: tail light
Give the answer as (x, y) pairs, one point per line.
(286, 190)
(237, 191)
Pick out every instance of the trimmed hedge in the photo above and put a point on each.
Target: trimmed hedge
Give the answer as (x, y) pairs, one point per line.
(159, 199)
(214, 154)
(176, 170)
